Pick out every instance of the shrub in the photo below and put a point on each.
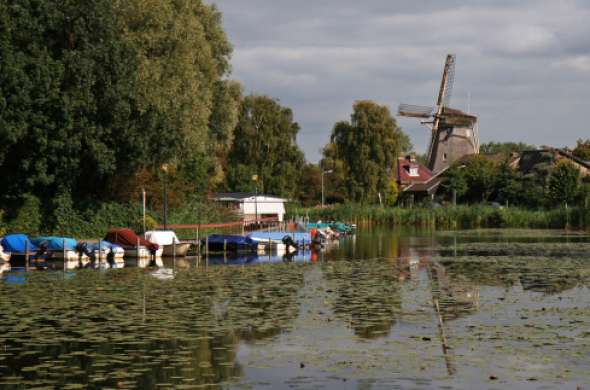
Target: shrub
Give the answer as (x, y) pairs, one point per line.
(28, 217)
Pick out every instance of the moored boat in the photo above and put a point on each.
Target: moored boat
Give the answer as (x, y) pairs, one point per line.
(60, 248)
(230, 243)
(167, 239)
(19, 247)
(134, 245)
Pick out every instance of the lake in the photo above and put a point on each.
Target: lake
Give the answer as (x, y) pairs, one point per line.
(383, 309)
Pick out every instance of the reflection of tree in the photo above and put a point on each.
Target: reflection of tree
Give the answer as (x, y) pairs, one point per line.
(552, 275)
(261, 301)
(367, 295)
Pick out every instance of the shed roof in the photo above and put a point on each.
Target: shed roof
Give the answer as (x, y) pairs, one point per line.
(239, 196)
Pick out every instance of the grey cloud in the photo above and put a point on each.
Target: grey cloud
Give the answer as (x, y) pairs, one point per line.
(526, 64)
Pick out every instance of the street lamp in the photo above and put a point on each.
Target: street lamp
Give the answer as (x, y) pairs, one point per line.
(323, 173)
(164, 168)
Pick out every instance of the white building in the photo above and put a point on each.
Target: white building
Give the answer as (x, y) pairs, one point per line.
(253, 206)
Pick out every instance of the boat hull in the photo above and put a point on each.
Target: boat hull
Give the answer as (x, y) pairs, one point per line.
(180, 251)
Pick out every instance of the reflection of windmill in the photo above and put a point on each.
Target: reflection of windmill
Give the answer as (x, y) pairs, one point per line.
(454, 132)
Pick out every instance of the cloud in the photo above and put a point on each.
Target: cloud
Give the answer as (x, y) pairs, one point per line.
(516, 59)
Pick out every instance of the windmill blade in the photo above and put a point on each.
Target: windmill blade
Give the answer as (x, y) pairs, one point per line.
(415, 111)
(446, 84)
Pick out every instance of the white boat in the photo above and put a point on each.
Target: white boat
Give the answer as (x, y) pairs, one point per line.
(4, 257)
(168, 241)
(142, 252)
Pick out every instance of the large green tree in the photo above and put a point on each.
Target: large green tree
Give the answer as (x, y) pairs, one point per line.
(265, 147)
(93, 92)
(564, 183)
(364, 152)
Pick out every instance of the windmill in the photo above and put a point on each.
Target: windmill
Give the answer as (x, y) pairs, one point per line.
(454, 132)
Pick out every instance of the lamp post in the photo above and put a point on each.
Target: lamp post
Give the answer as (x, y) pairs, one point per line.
(255, 180)
(164, 168)
(323, 173)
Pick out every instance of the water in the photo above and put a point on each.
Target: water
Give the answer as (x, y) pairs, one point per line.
(385, 309)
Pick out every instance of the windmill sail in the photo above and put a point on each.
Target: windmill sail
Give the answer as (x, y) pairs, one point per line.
(454, 132)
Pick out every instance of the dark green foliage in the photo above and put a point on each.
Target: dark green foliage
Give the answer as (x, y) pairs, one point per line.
(582, 149)
(28, 218)
(265, 145)
(310, 187)
(364, 151)
(504, 148)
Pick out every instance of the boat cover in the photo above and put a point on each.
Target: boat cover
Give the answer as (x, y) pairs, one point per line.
(127, 238)
(232, 240)
(56, 243)
(16, 243)
(298, 237)
(104, 246)
(162, 237)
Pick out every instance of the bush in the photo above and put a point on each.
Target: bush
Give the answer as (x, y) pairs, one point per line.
(28, 217)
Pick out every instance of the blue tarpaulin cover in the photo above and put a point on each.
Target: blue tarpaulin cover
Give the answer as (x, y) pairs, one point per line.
(16, 243)
(231, 243)
(56, 243)
(299, 238)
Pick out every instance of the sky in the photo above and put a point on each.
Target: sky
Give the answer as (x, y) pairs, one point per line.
(523, 66)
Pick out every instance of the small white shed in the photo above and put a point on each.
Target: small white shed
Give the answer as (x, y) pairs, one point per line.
(253, 206)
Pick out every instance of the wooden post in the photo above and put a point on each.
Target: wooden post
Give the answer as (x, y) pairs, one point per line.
(99, 249)
(198, 243)
(27, 255)
(137, 249)
(207, 247)
(224, 245)
(64, 254)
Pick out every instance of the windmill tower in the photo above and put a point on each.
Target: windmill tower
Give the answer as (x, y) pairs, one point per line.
(454, 132)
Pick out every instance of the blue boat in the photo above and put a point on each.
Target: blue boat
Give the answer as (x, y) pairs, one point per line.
(230, 243)
(19, 246)
(53, 243)
(299, 238)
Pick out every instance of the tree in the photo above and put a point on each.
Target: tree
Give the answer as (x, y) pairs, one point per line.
(310, 186)
(582, 149)
(368, 147)
(455, 182)
(265, 145)
(504, 148)
(564, 182)
(480, 175)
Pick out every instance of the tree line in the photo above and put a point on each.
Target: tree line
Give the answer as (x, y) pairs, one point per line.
(101, 100)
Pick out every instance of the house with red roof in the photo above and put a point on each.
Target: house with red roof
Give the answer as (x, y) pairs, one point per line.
(416, 179)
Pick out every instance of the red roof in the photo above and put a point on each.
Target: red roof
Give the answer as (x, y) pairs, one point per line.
(405, 166)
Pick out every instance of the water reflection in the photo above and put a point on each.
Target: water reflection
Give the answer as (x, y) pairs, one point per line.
(183, 322)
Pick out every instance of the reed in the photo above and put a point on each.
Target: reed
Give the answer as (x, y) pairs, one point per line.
(460, 217)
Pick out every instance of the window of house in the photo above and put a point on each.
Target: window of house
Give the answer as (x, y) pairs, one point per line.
(414, 171)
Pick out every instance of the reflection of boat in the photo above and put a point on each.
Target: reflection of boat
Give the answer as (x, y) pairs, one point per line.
(4, 267)
(232, 260)
(169, 242)
(299, 256)
(143, 262)
(163, 274)
(20, 247)
(230, 243)
(134, 245)
(59, 248)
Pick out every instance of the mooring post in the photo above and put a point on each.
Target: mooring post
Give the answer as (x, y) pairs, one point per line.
(99, 250)
(224, 246)
(64, 253)
(207, 247)
(27, 255)
(198, 243)
(137, 250)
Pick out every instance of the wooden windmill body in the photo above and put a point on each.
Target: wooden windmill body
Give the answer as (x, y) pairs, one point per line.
(454, 132)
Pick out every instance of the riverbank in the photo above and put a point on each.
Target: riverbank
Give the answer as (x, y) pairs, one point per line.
(459, 217)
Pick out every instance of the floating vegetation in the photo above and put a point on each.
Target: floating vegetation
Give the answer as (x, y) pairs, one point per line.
(381, 310)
